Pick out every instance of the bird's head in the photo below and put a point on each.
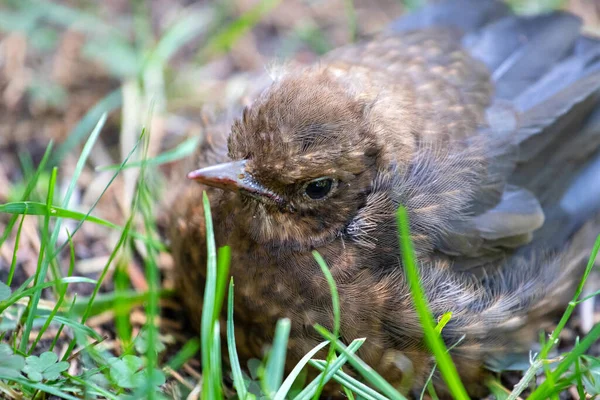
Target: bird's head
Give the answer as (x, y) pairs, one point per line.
(303, 159)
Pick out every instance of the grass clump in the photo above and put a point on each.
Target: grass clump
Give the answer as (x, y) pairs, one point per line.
(49, 343)
(138, 371)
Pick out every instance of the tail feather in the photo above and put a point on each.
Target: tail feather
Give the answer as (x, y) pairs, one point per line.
(519, 50)
(548, 75)
(572, 69)
(547, 84)
(584, 44)
(558, 117)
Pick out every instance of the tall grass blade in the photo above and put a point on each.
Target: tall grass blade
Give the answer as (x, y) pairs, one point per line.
(109, 103)
(432, 338)
(236, 370)
(181, 32)
(273, 374)
(208, 307)
(13, 263)
(36, 208)
(42, 387)
(547, 388)
(223, 40)
(361, 367)
(181, 151)
(22, 292)
(216, 378)
(571, 307)
(187, 352)
(349, 382)
(310, 390)
(335, 300)
(223, 260)
(31, 184)
(42, 266)
(289, 380)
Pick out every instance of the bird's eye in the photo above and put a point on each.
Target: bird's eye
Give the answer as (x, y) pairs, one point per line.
(319, 188)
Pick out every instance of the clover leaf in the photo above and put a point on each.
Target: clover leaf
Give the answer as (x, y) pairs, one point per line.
(44, 367)
(128, 373)
(141, 343)
(10, 364)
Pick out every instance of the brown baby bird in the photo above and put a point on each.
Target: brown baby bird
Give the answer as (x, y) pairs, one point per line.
(485, 126)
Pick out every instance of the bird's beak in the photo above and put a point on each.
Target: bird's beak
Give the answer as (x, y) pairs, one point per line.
(232, 176)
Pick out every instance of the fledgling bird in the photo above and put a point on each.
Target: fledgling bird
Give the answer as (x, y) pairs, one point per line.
(484, 125)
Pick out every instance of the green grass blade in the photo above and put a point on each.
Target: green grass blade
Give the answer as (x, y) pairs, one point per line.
(155, 244)
(589, 296)
(181, 32)
(42, 387)
(429, 385)
(335, 300)
(24, 285)
(546, 389)
(310, 389)
(273, 373)
(113, 254)
(62, 326)
(578, 375)
(223, 40)
(210, 290)
(109, 103)
(42, 266)
(223, 260)
(73, 18)
(289, 380)
(571, 307)
(87, 149)
(181, 151)
(106, 301)
(76, 326)
(19, 294)
(145, 203)
(442, 322)
(547, 347)
(13, 263)
(349, 382)
(121, 305)
(60, 300)
(31, 184)
(94, 387)
(215, 363)
(36, 208)
(186, 353)
(432, 338)
(362, 368)
(351, 18)
(497, 390)
(236, 370)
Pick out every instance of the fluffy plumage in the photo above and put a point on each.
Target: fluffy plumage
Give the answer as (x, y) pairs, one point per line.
(474, 121)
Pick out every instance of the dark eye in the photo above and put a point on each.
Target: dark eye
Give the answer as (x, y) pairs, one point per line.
(319, 188)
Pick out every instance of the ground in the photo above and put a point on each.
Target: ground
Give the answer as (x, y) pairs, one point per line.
(65, 63)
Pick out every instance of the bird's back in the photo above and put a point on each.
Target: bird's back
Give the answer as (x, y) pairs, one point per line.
(520, 92)
(544, 79)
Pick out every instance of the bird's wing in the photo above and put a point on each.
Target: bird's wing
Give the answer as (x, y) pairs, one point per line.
(543, 130)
